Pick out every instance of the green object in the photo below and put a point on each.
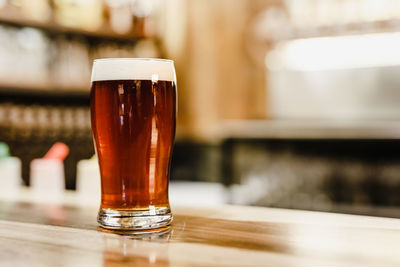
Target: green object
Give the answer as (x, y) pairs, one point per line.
(4, 150)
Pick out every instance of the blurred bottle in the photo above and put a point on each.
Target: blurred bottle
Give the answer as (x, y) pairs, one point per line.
(143, 23)
(38, 10)
(120, 15)
(47, 173)
(88, 180)
(29, 57)
(24, 56)
(10, 172)
(70, 64)
(85, 14)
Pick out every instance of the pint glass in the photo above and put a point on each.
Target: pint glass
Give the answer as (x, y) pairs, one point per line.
(133, 113)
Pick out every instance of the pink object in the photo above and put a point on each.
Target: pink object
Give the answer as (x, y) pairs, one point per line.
(59, 151)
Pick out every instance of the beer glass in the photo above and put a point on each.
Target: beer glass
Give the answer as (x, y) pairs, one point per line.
(133, 113)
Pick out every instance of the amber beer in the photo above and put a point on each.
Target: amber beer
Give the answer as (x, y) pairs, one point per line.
(133, 112)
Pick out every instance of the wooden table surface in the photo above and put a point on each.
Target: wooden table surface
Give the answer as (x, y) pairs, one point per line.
(34, 234)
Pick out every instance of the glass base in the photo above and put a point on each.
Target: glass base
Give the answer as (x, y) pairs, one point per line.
(153, 218)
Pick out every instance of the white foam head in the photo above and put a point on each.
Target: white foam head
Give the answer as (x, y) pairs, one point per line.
(109, 69)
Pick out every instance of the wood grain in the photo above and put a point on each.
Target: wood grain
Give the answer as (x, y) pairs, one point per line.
(66, 235)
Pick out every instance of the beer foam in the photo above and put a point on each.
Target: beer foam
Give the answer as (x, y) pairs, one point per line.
(109, 69)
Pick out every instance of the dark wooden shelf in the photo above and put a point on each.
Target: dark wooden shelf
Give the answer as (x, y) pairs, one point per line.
(30, 94)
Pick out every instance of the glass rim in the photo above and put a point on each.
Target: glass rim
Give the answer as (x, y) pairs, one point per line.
(133, 59)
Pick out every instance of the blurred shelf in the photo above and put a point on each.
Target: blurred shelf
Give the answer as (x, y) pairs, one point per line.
(367, 27)
(11, 16)
(323, 129)
(32, 93)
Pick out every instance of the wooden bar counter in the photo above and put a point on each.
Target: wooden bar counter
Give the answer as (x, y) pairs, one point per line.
(65, 234)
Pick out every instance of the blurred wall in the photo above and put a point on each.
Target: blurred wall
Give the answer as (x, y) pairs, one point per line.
(217, 79)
